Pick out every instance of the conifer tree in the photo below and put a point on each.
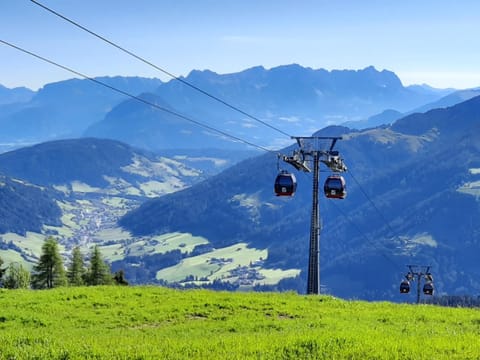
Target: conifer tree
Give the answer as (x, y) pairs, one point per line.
(2, 271)
(49, 271)
(119, 278)
(76, 270)
(17, 277)
(99, 271)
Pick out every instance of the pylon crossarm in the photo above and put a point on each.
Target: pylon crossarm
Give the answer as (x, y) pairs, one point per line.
(335, 163)
(297, 163)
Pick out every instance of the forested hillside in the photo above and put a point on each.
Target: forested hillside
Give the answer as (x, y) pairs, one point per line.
(26, 207)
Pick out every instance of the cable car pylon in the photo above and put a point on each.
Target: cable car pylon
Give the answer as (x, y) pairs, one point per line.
(420, 272)
(309, 151)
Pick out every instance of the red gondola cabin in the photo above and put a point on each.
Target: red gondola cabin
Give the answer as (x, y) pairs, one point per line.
(285, 184)
(335, 187)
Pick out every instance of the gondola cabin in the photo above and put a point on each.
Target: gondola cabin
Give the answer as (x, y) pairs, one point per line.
(335, 187)
(285, 184)
(404, 287)
(428, 288)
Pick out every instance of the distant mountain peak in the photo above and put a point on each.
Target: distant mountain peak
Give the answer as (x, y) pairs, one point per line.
(15, 95)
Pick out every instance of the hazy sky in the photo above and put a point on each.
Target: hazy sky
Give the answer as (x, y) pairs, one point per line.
(422, 41)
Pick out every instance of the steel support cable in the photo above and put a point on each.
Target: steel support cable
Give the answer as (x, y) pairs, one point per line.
(186, 118)
(362, 233)
(196, 88)
(375, 207)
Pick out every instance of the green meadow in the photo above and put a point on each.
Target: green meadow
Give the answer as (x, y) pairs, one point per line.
(227, 260)
(160, 323)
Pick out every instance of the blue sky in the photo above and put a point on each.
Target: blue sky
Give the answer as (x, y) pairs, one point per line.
(422, 41)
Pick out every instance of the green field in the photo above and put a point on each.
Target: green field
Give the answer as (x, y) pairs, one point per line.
(220, 263)
(160, 323)
(160, 244)
(231, 264)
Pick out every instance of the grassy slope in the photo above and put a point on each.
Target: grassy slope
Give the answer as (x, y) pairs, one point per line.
(159, 323)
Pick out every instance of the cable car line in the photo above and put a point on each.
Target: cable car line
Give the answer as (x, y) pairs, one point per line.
(291, 187)
(186, 118)
(287, 191)
(196, 88)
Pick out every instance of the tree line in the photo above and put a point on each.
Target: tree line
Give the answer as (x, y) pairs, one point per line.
(456, 300)
(50, 272)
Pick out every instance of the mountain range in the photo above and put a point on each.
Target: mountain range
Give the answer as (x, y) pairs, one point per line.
(64, 109)
(291, 98)
(388, 116)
